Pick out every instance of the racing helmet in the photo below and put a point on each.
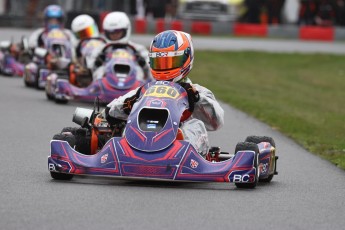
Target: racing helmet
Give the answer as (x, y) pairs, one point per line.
(84, 26)
(117, 27)
(171, 55)
(53, 17)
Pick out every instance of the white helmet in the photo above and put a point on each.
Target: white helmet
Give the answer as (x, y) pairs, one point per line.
(117, 27)
(83, 26)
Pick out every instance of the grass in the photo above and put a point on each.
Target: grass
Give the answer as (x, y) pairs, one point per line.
(301, 95)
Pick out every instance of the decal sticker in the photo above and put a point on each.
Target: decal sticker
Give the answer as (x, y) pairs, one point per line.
(263, 167)
(51, 167)
(104, 158)
(56, 34)
(162, 91)
(193, 163)
(93, 44)
(151, 126)
(243, 178)
(122, 54)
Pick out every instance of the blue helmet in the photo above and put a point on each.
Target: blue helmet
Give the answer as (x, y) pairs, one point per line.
(53, 12)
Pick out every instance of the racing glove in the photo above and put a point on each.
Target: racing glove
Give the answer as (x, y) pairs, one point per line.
(193, 95)
(110, 119)
(100, 60)
(141, 61)
(129, 102)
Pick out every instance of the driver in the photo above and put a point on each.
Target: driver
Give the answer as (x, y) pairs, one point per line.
(86, 30)
(117, 31)
(206, 113)
(53, 19)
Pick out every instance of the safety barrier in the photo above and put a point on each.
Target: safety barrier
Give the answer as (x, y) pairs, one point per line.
(142, 26)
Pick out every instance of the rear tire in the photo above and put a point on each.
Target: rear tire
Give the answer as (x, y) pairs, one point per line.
(259, 139)
(72, 130)
(242, 146)
(71, 141)
(82, 140)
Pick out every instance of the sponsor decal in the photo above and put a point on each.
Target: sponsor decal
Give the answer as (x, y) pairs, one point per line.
(161, 54)
(151, 126)
(263, 168)
(243, 178)
(193, 163)
(104, 158)
(51, 167)
(162, 91)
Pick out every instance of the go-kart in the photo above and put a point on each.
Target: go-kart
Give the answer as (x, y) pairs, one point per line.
(56, 55)
(150, 145)
(78, 73)
(13, 57)
(122, 74)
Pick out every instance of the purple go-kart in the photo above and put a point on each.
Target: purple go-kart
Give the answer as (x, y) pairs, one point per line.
(152, 146)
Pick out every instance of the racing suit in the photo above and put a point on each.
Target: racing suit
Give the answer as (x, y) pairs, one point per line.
(36, 38)
(208, 115)
(141, 51)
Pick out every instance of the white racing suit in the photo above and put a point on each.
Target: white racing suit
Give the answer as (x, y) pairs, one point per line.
(35, 36)
(141, 50)
(208, 115)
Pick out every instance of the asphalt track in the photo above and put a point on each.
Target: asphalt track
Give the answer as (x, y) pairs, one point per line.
(308, 193)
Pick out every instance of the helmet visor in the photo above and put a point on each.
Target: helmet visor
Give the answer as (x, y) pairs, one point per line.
(88, 32)
(167, 60)
(116, 34)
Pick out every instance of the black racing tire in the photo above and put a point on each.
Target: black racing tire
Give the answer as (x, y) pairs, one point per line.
(71, 141)
(257, 140)
(82, 140)
(27, 84)
(61, 176)
(61, 101)
(35, 84)
(65, 137)
(241, 146)
(72, 130)
(50, 97)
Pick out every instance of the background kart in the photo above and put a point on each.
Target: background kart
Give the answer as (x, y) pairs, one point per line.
(122, 74)
(13, 57)
(153, 148)
(57, 55)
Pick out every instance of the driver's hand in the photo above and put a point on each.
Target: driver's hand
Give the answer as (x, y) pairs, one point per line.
(129, 102)
(193, 95)
(141, 61)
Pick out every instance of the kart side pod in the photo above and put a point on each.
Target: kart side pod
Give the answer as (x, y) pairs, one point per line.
(82, 116)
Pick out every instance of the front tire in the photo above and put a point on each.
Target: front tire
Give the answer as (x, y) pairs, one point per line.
(61, 101)
(49, 97)
(257, 140)
(71, 141)
(243, 146)
(61, 176)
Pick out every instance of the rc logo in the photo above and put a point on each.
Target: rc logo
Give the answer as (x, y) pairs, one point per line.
(104, 158)
(193, 163)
